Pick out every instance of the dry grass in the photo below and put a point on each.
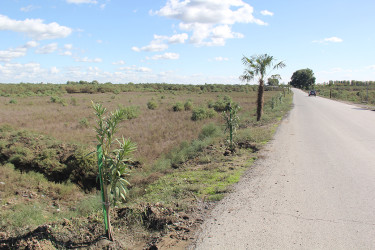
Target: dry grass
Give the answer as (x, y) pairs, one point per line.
(155, 131)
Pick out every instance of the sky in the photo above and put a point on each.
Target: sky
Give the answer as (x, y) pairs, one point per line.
(183, 41)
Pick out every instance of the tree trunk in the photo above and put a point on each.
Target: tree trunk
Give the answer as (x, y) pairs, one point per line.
(260, 99)
(109, 231)
(107, 219)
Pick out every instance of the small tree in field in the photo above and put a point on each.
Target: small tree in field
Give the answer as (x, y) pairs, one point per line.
(258, 65)
(112, 161)
(231, 118)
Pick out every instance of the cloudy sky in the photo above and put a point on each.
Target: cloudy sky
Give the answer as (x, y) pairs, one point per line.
(182, 41)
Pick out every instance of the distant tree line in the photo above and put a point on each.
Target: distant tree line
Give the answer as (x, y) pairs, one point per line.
(71, 87)
(349, 83)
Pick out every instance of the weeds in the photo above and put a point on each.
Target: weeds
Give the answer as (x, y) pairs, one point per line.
(202, 113)
(188, 105)
(57, 99)
(178, 107)
(129, 112)
(152, 105)
(84, 123)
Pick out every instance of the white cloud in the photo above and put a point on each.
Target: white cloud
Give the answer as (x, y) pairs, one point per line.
(47, 49)
(166, 56)
(329, 40)
(10, 54)
(160, 43)
(54, 70)
(121, 62)
(68, 46)
(154, 47)
(21, 72)
(86, 59)
(99, 41)
(31, 44)
(82, 1)
(203, 17)
(143, 69)
(66, 53)
(134, 68)
(372, 67)
(220, 59)
(333, 39)
(29, 8)
(266, 13)
(178, 38)
(35, 28)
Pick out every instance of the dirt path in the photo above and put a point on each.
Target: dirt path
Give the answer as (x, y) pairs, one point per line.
(313, 187)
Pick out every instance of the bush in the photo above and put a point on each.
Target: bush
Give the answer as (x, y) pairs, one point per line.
(178, 107)
(130, 112)
(152, 105)
(188, 105)
(221, 104)
(201, 113)
(13, 101)
(209, 130)
(57, 99)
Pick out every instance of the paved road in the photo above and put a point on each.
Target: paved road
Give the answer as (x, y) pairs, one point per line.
(313, 188)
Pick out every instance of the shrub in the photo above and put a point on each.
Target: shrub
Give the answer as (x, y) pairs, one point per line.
(152, 105)
(222, 104)
(188, 105)
(129, 112)
(201, 113)
(84, 123)
(13, 101)
(57, 99)
(209, 130)
(178, 107)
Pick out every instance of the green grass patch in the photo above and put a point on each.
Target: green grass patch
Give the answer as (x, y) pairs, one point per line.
(182, 187)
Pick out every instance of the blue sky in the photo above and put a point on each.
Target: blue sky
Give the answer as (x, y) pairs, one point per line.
(183, 41)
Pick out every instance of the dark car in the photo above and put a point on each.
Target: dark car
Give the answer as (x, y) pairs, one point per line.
(312, 92)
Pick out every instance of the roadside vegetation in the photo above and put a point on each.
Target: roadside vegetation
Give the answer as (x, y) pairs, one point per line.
(180, 168)
(362, 92)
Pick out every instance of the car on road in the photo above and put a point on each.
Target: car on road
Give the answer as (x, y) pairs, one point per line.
(312, 92)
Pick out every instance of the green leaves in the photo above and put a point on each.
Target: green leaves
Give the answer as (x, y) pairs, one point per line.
(115, 159)
(257, 65)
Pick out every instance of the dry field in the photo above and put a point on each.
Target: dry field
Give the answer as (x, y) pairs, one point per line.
(180, 176)
(155, 131)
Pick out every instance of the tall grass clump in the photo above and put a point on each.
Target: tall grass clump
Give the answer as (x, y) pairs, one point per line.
(178, 107)
(188, 105)
(130, 112)
(210, 130)
(57, 99)
(152, 105)
(201, 113)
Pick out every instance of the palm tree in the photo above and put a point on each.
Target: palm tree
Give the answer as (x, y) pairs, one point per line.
(258, 65)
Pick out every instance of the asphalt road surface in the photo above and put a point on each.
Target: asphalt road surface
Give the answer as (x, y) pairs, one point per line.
(312, 188)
